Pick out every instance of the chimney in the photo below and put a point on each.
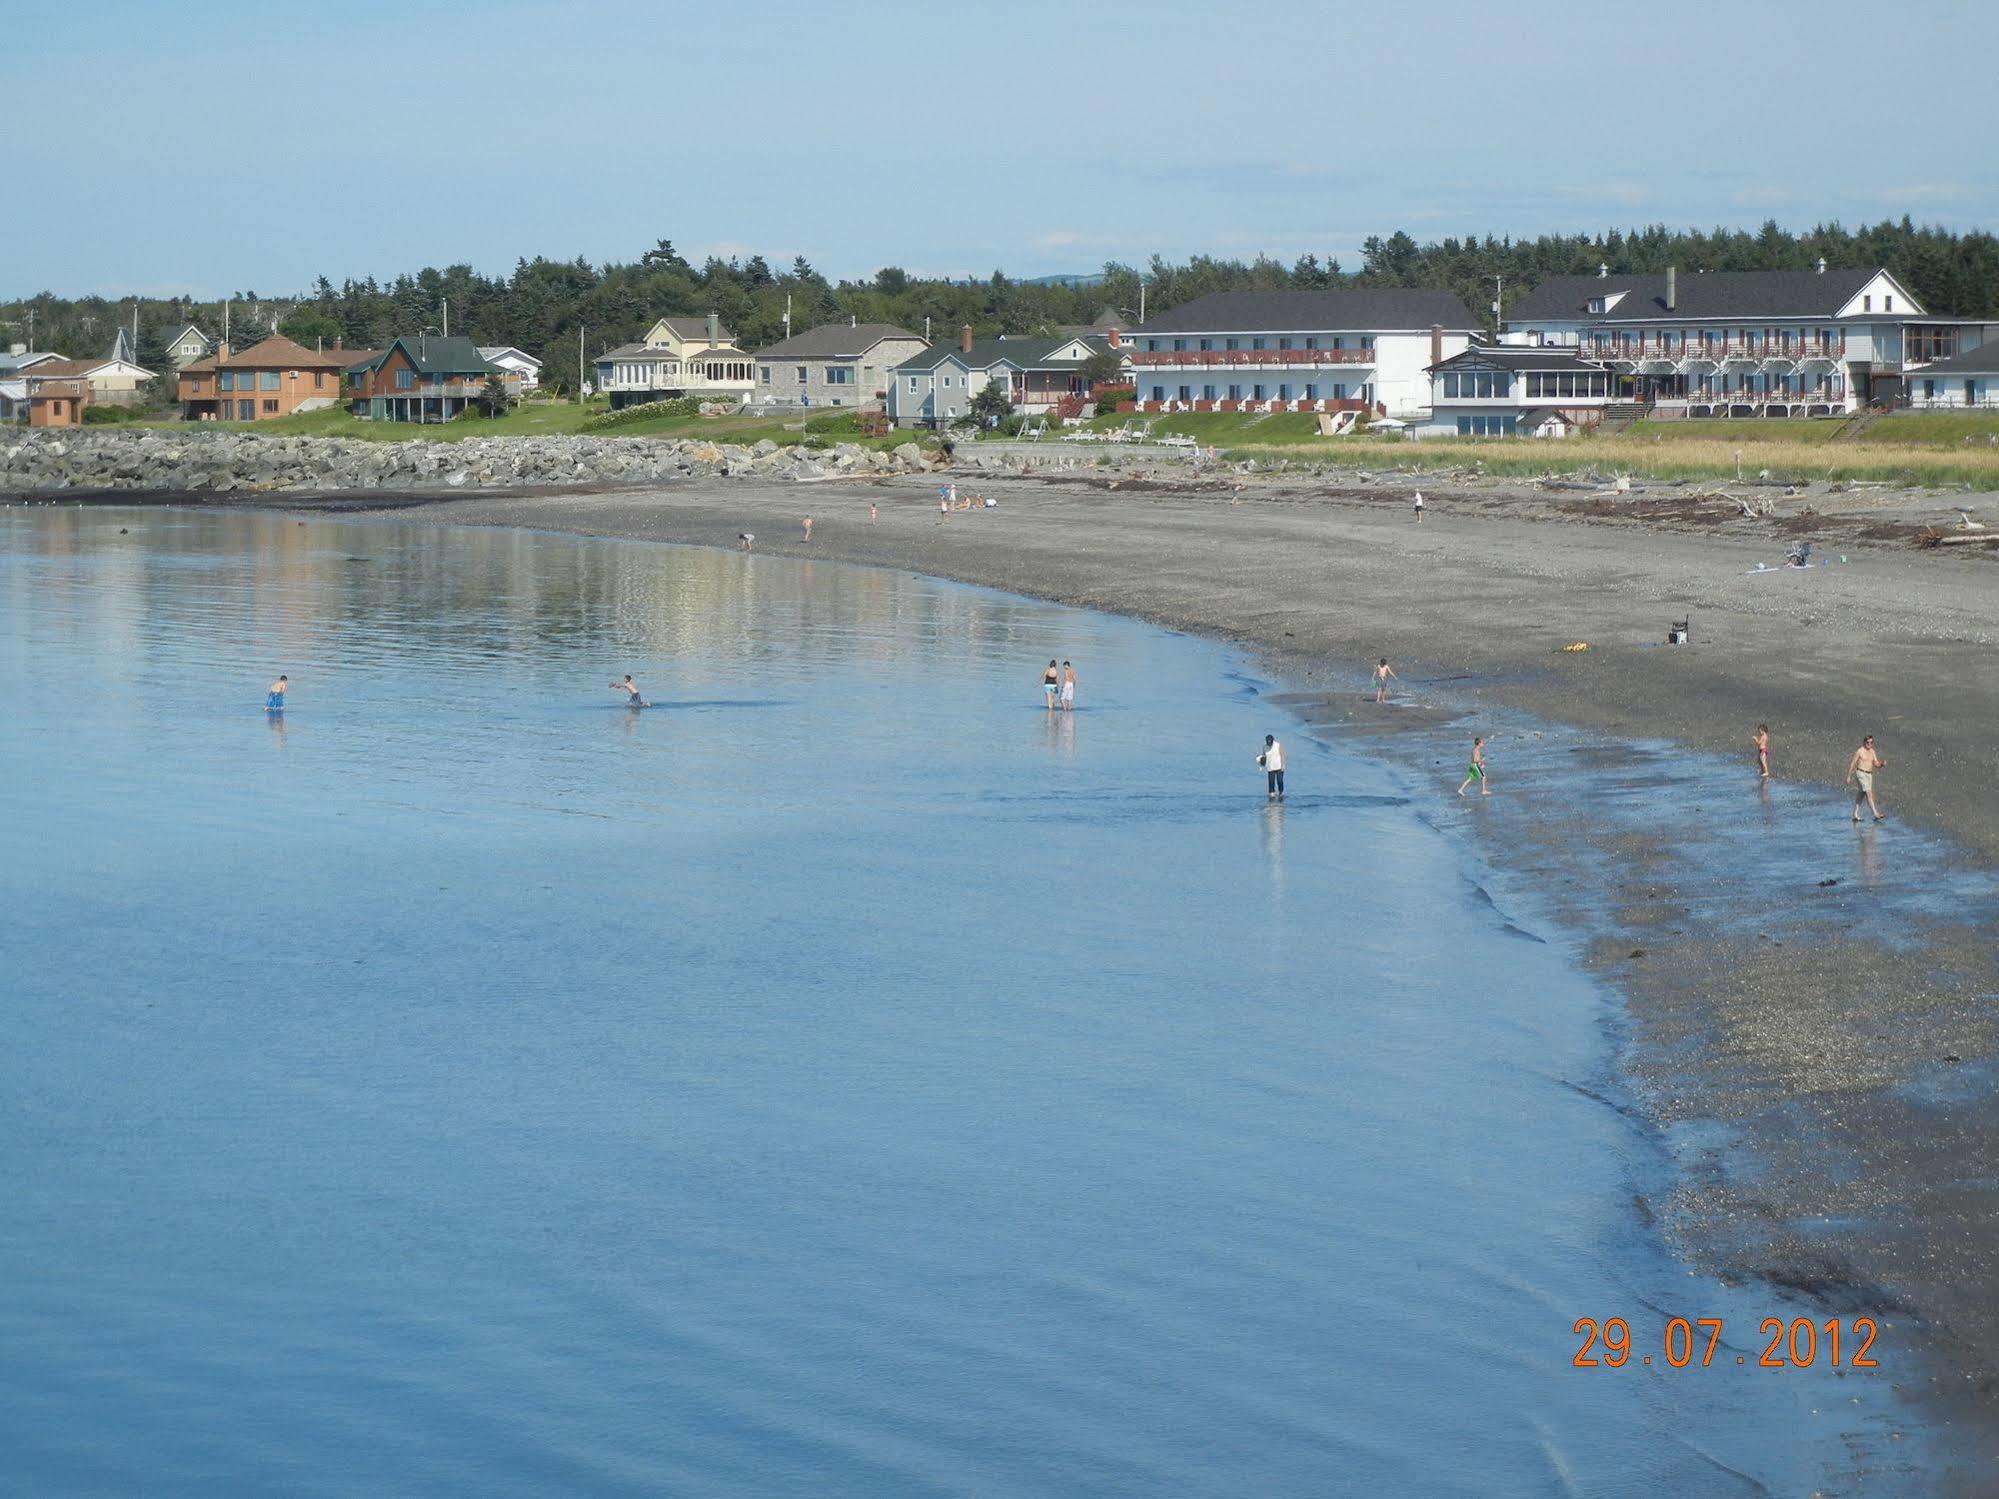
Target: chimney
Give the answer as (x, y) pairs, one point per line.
(1436, 343)
(1822, 265)
(1116, 338)
(965, 339)
(714, 328)
(1672, 288)
(1602, 270)
(222, 348)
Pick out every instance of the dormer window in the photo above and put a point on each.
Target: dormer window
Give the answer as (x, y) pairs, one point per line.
(1596, 304)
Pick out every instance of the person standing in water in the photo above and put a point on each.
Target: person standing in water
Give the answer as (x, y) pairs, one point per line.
(1272, 761)
(1476, 770)
(1051, 684)
(274, 700)
(1068, 688)
(631, 691)
(1761, 739)
(808, 528)
(1859, 775)
(1383, 675)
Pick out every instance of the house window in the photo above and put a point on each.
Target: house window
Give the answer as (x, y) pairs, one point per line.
(1256, 393)
(1866, 304)
(1186, 392)
(1207, 392)
(912, 385)
(839, 374)
(318, 379)
(225, 381)
(1235, 392)
(1339, 391)
(1256, 343)
(763, 375)
(1152, 346)
(1179, 344)
(1283, 343)
(1311, 392)
(246, 411)
(195, 385)
(405, 379)
(1312, 342)
(1338, 342)
(1887, 304)
(1596, 304)
(270, 408)
(267, 380)
(1929, 390)
(1284, 392)
(1367, 341)
(1232, 343)
(1207, 344)
(803, 374)
(1158, 392)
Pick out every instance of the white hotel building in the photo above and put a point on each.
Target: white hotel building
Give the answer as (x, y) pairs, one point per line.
(1745, 343)
(1347, 350)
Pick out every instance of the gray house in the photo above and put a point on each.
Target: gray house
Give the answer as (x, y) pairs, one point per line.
(1038, 373)
(835, 364)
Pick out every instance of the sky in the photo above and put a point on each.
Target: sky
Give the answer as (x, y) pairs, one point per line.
(244, 147)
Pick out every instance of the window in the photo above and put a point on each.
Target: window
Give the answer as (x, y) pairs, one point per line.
(1866, 304)
(225, 381)
(1464, 426)
(1179, 344)
(1232, 343)
(1339, 391)
(1235, 392)
(1596, 304)
(319, 379)
(267, 379)
(1207, 344)
(1929, 390)
(803, 374)
(1283, 343)
(1152, 346)
(1312, 342)
(405, 379)
(1338, 342)
(1207, 392)
(1283, 392)
(1367, 341)
(1887, 304)
(1186, 392)
(1158, 392)
(839, 374)
(1256, 393)
(270, 408)
(763, 376)
(1256, 343)
(912, 385)
(194, 384)
(246, 411)
(1311, 392)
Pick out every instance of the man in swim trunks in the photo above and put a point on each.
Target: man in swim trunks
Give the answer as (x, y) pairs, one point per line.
(631, 691)
(1476, 770)
(274, 700)
(1051, 684)
(1860, 775)
(1272, 761)
(1068, 688)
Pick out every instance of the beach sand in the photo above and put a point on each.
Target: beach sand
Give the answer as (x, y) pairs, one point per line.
(1812, 1029)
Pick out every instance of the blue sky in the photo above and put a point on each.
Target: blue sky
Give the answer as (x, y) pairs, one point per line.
(1029, 136)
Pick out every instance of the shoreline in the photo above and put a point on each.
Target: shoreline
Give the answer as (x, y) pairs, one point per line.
(1817, 1061)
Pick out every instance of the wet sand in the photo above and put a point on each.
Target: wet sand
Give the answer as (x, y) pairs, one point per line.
(1812, 1026)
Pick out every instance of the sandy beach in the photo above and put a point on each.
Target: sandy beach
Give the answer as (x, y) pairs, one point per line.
(1811, 1034)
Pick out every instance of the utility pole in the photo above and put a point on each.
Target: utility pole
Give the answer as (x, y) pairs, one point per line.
(1498, 296)
(1141, 299)
(787, 314)
(445, 303)
(579, 366)
(225, 320)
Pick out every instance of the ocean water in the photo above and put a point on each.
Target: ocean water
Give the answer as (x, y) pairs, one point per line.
(840, 1078)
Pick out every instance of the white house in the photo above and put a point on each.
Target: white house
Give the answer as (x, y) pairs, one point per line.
(1966, 381)
(936, 387)
(679, 356)
(519, 367)
(1361, 349)
(1512, 390)
(1746, 343)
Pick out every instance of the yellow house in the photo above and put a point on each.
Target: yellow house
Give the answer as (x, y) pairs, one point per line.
(680, 356)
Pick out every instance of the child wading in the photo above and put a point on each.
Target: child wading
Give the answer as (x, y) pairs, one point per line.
(1761, 739)
(1272, 761)
(1383, 675)
(1476, 770)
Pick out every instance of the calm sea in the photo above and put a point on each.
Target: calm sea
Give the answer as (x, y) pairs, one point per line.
(842, 1078)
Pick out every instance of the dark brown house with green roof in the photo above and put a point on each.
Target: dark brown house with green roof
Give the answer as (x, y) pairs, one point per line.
(423, 378)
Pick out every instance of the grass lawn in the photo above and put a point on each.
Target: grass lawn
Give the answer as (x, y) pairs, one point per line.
(1933, 429)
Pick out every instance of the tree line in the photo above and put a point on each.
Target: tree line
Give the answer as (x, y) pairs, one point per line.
(544, 306)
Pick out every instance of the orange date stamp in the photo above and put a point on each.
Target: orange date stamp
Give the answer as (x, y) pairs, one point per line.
(1800, 1343)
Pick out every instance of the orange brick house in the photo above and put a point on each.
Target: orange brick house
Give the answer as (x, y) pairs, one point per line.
(270, 379)
(58, 400)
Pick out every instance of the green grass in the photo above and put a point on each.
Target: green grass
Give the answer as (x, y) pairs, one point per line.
(1933, 429)
(1222, 428)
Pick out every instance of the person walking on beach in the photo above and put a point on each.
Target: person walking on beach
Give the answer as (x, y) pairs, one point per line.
(1068, 688)
(1419, 507)
(274, 700)
(1383, 675)
(631, 691)
(808, 528)
(1761, 739)
(1272, 761)
(871, 511)
(1051, 685)
(1476, 770)
(1860, 775)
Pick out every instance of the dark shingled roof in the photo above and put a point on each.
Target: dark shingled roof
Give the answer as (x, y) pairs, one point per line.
(1026, 350)
(1362, 309)
(1983, 360)
(432, 354)
(834, 341)
(1520, 357)
(1780, 295)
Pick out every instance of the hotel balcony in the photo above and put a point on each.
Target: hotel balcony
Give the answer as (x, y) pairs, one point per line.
(1156, 359)
(1714, 350)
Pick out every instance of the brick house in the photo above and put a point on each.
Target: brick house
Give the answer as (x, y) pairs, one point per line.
(269, 379)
